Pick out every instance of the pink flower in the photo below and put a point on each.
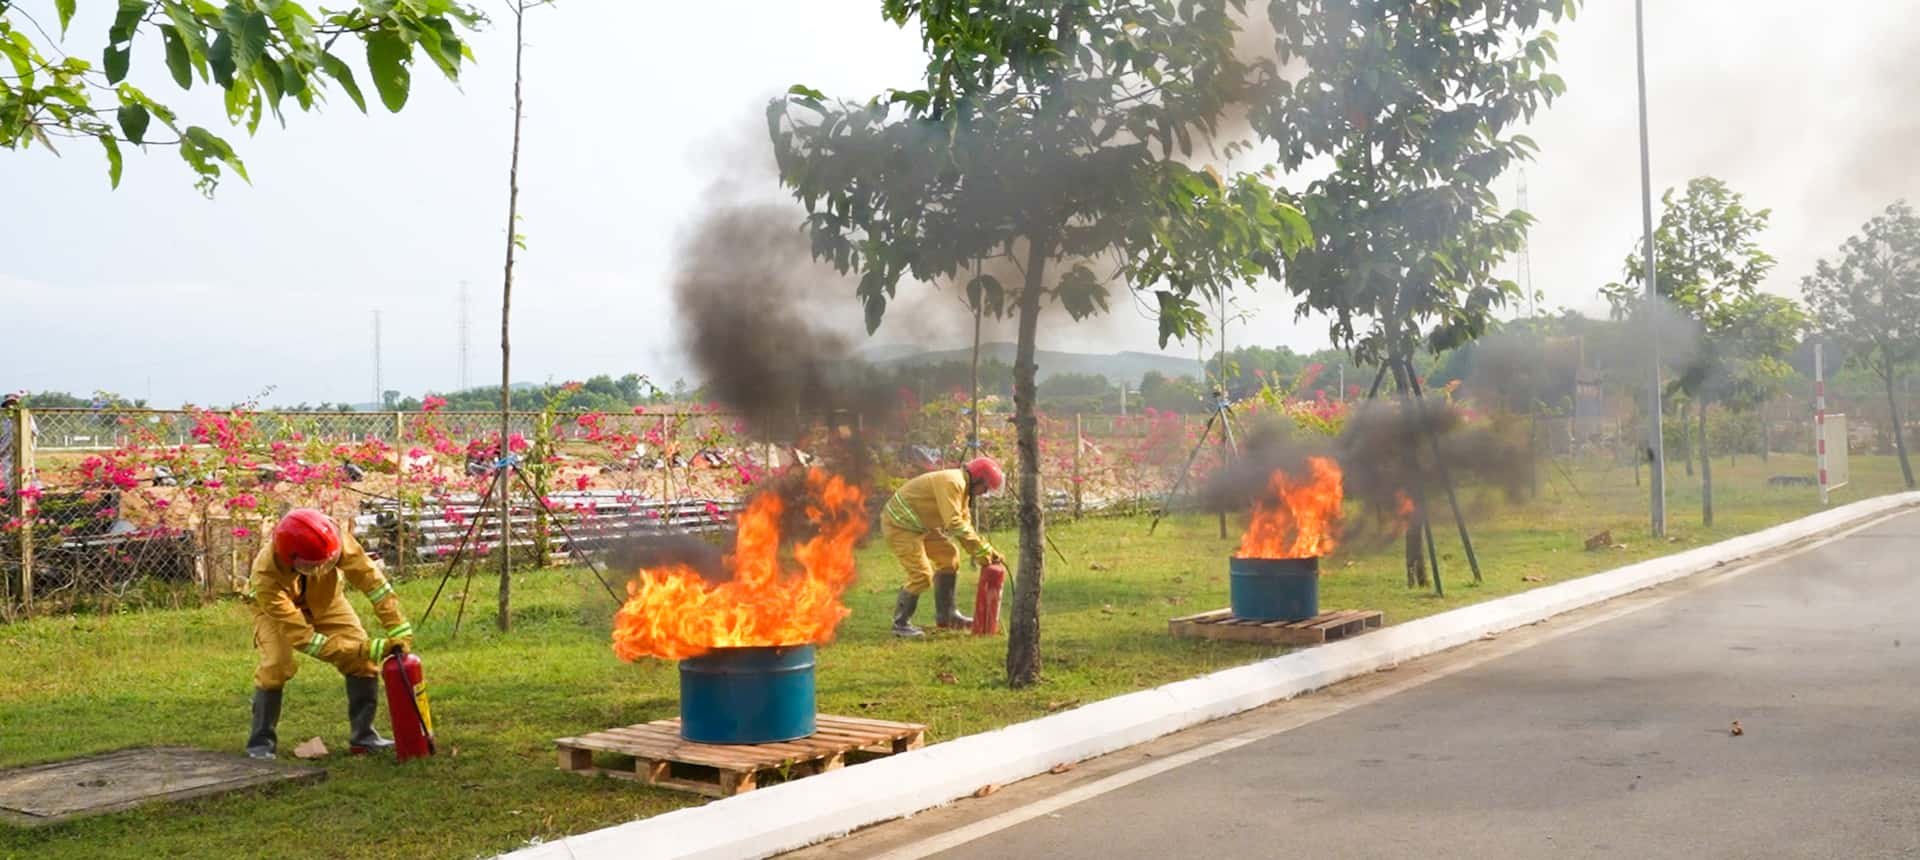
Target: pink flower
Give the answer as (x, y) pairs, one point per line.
(516, 443)
(432, 403)
(582, 482)
(241, 532)
(244, 501)
(30, 493)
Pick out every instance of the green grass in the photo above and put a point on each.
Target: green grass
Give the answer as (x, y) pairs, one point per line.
(91, 683)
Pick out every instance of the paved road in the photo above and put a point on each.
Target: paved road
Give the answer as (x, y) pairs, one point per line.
(1608, 737)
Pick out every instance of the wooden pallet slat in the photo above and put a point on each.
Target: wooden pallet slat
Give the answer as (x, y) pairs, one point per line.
(722, 770)
(1221, 625)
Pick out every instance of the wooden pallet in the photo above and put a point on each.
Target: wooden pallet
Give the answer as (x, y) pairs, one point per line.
(1325, 627)
(659, 756)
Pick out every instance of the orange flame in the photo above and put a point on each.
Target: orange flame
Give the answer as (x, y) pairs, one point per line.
(1403, 513)
(1296, 519)
(672, 613)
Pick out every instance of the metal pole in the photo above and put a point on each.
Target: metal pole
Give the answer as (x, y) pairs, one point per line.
(1820, 417)
(1656, 445)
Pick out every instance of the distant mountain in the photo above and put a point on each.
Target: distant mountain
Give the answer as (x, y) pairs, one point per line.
(1116, 366)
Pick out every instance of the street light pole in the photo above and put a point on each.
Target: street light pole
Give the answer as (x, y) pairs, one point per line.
(1656, 447)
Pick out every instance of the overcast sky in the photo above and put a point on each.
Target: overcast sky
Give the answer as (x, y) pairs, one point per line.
(636, 110)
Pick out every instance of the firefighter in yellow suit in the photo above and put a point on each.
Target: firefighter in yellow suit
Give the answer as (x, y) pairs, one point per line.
(300, 605)
(922, 524)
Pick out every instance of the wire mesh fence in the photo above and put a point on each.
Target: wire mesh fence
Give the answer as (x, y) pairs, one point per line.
(103, 507)
(106, 507)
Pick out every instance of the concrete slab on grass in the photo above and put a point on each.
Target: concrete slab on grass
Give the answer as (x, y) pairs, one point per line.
(110, 782)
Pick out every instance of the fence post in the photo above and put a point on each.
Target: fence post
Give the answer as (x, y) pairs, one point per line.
(1079, 441)
(399, 428)
(666, 464)
(400, 541)
(19, 472)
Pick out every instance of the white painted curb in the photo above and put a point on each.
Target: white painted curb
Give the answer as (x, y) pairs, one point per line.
(793, 815)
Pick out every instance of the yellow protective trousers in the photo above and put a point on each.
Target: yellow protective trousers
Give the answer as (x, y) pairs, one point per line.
(920, 554)
(346, 642)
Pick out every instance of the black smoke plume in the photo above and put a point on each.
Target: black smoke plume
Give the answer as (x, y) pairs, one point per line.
(1386, 458)
(664, 550)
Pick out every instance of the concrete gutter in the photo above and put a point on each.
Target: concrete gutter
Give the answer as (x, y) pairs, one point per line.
(793, 815)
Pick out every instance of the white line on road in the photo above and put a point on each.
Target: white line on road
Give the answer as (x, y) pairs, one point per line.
(1312, 709)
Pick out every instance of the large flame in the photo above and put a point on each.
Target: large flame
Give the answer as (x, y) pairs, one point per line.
(673, 613)
(1295, 518)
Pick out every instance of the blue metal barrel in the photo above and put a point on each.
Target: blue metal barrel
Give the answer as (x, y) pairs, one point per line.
(1275, 589)
(747, 695)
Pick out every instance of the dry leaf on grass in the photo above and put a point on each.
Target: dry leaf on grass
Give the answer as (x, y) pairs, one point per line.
(314, 748)
(947, 678)
(1055, 706)
(1533, 579)
(1062, 767)
(1737, 731)
(985, 790)
(1094, 565)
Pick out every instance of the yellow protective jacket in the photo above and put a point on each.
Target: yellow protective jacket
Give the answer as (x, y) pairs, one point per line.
(937, 503)
(290, 599)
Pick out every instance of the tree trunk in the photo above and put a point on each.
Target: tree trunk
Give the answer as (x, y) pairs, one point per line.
(973, 437)
(1416, 553)
(1766, 433)
(1023, 631)
(1533, 455)
(505, 489)
(1686, 439)
(1899, 437)
(1706, 472)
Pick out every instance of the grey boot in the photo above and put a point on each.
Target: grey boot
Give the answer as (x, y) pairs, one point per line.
(944, 612)
(903, 609)
(363, 702)
(264, 736)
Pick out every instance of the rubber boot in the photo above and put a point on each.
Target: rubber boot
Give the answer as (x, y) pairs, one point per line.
(945, 613)
(264, 737)
(363, 702)
(903, 609)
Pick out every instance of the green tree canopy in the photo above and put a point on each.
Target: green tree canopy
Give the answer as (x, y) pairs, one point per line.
(1868, 304)
(261, 55)
(1414, 102)
(1053, 138)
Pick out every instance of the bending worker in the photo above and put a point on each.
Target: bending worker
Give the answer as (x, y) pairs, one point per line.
(922, 523)
(299, 605)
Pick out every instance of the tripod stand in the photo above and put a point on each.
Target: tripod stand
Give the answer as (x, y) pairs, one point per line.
(1222, 414)
(505, 467)
(1407, 381)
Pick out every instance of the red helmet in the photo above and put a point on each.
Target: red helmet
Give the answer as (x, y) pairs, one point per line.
(985, 471)
(306, 536)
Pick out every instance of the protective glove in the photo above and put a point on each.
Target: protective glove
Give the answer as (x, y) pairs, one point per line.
(399, 639)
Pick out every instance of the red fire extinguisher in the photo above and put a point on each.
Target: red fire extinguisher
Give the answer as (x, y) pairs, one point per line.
(407, 706)
(986, 599)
